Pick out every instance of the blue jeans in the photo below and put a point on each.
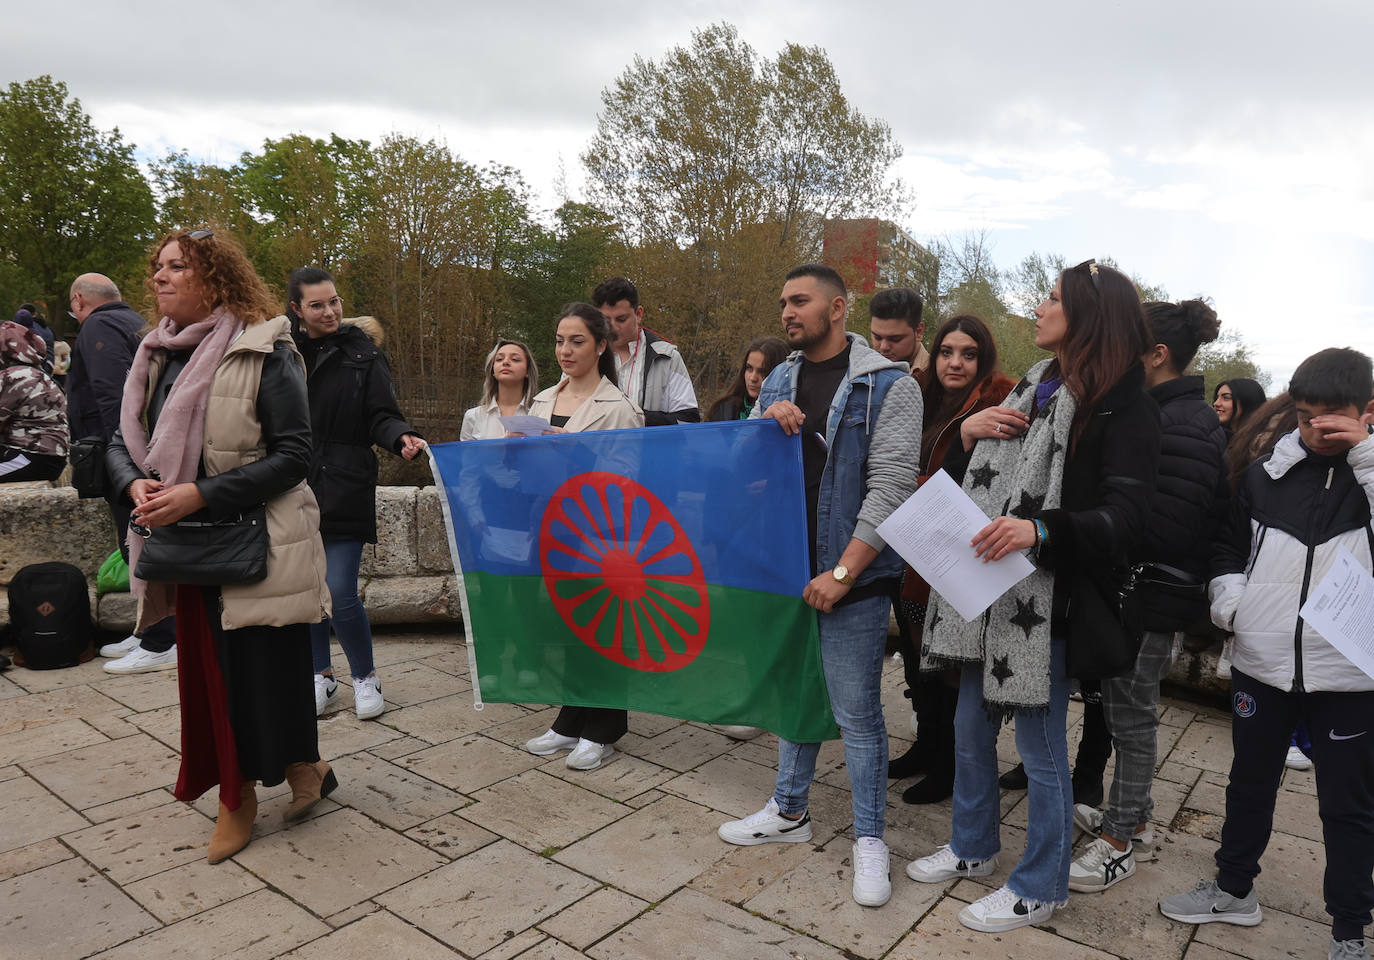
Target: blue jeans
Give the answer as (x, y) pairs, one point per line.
(343, 559)
(853, 639)
(1043, 873)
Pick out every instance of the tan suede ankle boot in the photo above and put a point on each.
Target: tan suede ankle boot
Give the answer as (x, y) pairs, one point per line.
(234, 828)
(310, 783)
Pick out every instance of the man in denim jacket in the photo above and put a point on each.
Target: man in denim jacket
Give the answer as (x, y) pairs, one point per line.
(859, 415)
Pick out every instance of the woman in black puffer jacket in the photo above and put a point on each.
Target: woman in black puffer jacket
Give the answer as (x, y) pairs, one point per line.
(1176, 553)
(352, 406)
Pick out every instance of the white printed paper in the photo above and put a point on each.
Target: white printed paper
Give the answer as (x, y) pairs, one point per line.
(524, 423)
(1341, 609)
(932, 532)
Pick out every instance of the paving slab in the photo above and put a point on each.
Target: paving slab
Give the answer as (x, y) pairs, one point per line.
(337, 860)
(35, 856)
(142, 691)
(102, 772)
(1296, 811)
(39, 708)
(392, 795)
(469, 763)
(592, 918)
(940, 936)
(376, 935)
(412, 682)
(1279, 936)
(452, 836)
(141, 844)
(437, 721)
(684, 747)
(1206, 745)
(620, 780)
(260, 926)
(47, 739)
(692, 926)
(541, 812)
(66, 910)
(487, 897)
(817, 899)
(192, 888)
(32, 813)
(653, 851)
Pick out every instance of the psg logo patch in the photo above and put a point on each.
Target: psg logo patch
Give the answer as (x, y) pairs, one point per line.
(1244, 704)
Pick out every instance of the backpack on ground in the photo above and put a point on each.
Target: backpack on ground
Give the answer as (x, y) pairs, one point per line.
(50, 616)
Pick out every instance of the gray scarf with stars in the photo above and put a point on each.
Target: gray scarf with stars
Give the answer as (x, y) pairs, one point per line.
(1018, 477)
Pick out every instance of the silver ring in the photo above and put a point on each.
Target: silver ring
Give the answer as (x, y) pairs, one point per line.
(999, 428)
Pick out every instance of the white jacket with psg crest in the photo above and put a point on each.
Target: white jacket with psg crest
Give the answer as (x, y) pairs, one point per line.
(1290, 513)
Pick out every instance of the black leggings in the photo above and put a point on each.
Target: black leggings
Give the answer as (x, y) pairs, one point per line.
(1342, 729)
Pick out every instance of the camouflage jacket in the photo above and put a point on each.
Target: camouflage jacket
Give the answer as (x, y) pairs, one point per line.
(33, 410)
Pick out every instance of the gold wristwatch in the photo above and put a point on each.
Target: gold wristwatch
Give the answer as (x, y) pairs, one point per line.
(841, 573)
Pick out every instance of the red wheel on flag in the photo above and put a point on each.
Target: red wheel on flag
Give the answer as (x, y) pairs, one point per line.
(622, 573)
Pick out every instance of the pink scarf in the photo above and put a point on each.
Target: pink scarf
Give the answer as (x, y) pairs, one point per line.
(173, 452)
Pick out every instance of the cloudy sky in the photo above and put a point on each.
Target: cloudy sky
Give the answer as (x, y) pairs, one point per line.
(1215, 148)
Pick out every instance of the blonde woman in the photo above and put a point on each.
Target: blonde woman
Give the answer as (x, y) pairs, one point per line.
(508, 388)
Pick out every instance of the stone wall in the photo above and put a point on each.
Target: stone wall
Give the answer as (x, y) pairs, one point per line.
(406, 578)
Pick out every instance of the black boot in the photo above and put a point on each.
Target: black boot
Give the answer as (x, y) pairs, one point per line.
(939, 784)
(1014, 779)
(915, 761)
(926, 702)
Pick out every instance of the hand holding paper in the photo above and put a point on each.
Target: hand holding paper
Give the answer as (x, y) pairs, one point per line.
(933, 531)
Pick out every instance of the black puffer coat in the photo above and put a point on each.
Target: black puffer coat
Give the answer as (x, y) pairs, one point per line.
(1183, 516)
(352, 406)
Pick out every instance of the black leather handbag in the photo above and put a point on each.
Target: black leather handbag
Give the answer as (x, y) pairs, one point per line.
(87, 457)
(1104, 625)
(201, 551)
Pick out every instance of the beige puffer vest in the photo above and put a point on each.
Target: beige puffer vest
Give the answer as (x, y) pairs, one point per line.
(294, 590)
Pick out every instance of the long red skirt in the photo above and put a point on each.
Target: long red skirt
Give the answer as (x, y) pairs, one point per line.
(247, 700)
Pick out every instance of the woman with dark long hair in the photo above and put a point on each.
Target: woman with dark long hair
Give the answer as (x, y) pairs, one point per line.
(215, 422)
(1235, 400)
(586, 399)
(352, 407)
(1066, 467)
(760, 357)
(965, 381)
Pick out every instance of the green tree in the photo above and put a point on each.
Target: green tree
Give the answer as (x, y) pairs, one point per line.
(721, 167)
(72, 199)
(1226, 358)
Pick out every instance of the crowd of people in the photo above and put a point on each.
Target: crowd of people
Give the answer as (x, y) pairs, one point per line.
(1105, 465)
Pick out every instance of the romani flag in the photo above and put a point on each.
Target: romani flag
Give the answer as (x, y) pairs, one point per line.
(658, 570)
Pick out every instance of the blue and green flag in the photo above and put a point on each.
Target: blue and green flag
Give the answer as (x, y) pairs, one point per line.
(658, 570)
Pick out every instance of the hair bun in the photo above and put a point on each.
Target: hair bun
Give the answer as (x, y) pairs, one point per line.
(1201, 320)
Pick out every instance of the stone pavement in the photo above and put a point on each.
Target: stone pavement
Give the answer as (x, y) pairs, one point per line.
(445, 839)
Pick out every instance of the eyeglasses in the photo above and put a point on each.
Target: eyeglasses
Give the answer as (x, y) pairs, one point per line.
(201, 235)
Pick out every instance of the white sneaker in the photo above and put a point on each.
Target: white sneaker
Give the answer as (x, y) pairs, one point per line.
(549, 743)
(128, 645)
(326, 689)
(1224, 661)
(766, 826)
(367, 697)
(1297, 760)
(872, 883)
(588, 755)
(943, 865)
(1100, 866)
(143, 661)
(1089, 820)
(1004, 910)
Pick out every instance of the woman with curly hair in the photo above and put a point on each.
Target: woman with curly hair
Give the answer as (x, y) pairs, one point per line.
(214, 424)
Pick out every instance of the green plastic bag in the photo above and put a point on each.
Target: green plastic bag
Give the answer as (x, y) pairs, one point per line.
(113, 576)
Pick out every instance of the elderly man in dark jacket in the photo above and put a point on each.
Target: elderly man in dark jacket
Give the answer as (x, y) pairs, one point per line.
(95, 388)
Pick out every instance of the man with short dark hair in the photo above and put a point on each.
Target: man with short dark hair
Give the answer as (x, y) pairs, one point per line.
(101, 359)
(650, 369)
(896, 329)
(859, 416)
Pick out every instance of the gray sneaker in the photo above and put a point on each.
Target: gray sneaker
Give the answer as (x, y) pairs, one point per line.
(1208, 903)
(1348, 950)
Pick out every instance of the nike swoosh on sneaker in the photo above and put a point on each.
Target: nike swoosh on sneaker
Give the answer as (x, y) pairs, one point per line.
(1020, 909)
(1349, 736)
